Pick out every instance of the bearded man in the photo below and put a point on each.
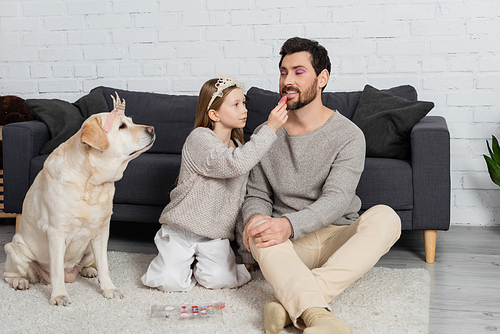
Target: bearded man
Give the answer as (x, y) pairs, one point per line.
(300, 215)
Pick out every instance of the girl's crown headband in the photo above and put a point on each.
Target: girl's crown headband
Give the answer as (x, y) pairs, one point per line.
(118, 109)
(222, 83)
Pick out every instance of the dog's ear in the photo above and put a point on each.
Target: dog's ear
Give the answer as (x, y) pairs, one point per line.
(93, 135)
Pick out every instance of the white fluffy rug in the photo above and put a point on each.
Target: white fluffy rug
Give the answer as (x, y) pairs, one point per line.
(382, 301)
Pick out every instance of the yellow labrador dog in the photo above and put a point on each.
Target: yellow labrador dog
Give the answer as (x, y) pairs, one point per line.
(64, 228)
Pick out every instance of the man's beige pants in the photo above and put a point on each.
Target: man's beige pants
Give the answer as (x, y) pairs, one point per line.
(312, 270)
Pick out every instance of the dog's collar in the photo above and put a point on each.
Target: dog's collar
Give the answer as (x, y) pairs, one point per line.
(118, 109)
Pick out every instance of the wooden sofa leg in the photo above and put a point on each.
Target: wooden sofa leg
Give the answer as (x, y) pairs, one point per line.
(430, 245)
(18, 218)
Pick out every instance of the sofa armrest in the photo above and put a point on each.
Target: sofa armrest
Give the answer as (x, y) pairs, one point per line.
(21, 142)
(430, 160)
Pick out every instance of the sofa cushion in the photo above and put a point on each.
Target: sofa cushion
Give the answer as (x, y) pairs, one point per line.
(64, 119)
(148, 180)
(344, 102)
(171, 115)
(386, 181)
(347, 102)
(386, 122)
(136, 213)
(260, 102)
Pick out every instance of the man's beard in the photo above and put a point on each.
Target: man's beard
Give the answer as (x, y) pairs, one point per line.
(304, 99)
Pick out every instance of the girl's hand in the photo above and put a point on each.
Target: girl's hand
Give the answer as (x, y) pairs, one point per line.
(278, 115)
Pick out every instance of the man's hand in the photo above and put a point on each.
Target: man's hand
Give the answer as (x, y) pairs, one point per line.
(251, 222)
(272, 232)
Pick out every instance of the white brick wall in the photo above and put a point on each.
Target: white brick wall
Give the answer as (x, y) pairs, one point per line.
(449, 50)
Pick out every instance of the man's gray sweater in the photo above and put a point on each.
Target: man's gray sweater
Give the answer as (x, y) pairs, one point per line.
(310, 179)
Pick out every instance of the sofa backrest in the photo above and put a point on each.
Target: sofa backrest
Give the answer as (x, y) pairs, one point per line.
(171, 115)
(260, 102)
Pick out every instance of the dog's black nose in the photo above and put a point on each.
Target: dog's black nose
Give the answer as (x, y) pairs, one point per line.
(150, 130)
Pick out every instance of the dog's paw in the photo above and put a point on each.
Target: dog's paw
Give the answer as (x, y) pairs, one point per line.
(62, 300)
(112, 293)
(18, 283)
(88, 272)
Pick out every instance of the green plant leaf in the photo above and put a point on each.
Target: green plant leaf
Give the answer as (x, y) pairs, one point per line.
(496, 149)
(493, 169)
(492, 155)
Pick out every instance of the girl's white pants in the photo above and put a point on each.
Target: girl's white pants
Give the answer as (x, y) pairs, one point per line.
(178, 248)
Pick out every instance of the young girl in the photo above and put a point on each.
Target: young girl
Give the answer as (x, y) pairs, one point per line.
(200, 219)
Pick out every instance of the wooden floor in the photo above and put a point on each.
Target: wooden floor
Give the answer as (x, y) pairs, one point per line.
(465, 294)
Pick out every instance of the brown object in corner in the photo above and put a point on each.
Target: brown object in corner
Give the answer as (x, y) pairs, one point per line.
(13, 109)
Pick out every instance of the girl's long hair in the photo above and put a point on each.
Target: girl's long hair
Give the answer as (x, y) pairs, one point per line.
(202, 119)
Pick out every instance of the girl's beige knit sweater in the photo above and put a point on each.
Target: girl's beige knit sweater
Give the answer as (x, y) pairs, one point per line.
(212, 182)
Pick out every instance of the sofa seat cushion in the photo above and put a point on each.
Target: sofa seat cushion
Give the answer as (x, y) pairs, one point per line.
(171, 115)
(148, 180)
(386, 181)
(136, 213)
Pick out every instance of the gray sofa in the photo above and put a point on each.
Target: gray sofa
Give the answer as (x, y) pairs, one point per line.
(417, 187)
